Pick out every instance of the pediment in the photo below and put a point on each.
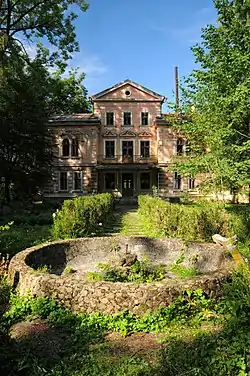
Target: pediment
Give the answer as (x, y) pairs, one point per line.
(128, 90)
(109, 134)
(128, 133)
(145, 134)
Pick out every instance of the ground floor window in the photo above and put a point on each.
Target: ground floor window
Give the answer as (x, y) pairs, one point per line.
(191, 183)
(177, 181)
(63, 181)
(110, 180)
(145, 180)
(145, 149)
(77, 181)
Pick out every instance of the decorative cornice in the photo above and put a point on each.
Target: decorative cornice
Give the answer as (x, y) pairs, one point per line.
(145, 134)
(128, 133)
(109, 133)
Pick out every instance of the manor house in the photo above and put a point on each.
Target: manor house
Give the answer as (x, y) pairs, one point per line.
(126, 146)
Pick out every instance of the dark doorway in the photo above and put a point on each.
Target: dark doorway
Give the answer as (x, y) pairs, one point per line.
(127, 184)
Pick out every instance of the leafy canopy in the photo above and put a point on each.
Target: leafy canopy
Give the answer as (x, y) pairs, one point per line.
(49, 19)
(216, 100)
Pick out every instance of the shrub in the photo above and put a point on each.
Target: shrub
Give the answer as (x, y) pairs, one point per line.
(191, 222)
(81, 217)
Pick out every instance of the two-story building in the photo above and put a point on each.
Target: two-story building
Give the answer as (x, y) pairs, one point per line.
(125, 146)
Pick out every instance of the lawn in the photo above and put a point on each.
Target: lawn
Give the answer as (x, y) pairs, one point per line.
(195, 335)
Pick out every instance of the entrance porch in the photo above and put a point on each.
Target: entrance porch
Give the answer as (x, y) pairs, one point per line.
(127, 182)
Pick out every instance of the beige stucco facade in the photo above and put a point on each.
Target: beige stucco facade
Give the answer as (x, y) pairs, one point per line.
(126, 146)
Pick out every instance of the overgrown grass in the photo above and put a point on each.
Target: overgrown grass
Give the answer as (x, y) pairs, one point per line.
(199, 335)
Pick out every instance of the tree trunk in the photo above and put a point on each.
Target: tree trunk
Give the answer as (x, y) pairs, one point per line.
(7, 189)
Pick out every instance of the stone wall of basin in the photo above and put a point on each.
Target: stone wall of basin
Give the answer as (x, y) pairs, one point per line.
(75, 292)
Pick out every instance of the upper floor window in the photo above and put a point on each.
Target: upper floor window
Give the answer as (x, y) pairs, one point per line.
(110, 118)
(144, 118)
(74, 147)
(127, 118)
(180, 146)
(109, 149)
(63, 181)
(70, 148)
(65, 147)
(145, 149)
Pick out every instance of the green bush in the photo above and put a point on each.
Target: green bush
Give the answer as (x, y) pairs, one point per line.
(192, 222)
(82, 216)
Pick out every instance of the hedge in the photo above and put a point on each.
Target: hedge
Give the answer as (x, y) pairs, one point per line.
(82, 216)
(192, 222)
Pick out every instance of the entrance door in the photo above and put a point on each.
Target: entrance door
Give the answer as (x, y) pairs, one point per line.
(127, 184)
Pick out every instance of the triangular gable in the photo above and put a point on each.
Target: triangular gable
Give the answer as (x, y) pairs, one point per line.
(109, 134)
(145, 90)
(145, 134)
(128, 133)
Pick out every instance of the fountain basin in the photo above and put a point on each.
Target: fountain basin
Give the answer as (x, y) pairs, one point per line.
(75, 291)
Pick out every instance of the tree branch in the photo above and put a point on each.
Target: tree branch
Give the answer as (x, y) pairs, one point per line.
(31, 27)
(27, 12)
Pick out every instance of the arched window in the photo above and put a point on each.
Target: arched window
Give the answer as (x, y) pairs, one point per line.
(74, 147)
(65, 147)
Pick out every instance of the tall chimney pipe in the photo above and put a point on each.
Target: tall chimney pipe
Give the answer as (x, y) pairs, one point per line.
(177, 99)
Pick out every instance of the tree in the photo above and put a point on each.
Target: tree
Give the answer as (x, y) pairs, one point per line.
(68, 95)
(25, 145)
(216, 101)
(49, 19)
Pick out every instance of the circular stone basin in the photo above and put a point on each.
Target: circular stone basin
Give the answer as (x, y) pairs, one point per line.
(74, 290)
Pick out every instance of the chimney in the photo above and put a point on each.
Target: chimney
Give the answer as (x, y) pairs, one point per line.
(177, 100)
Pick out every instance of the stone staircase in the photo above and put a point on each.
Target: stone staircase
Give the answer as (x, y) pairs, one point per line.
(124, 221)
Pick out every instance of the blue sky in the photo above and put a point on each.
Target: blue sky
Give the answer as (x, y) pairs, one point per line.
(139, 39)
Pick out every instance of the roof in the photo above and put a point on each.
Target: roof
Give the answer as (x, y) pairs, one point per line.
(132, 83)
(79, 118)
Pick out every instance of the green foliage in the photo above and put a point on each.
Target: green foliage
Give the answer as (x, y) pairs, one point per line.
(68, 95)
(139, 272)
(181, 270)
(5, 290)
(190, 222)
(216, 101)
(25, 142)
(81, 217)
(35, 19)
(187, 307)
(41, 269)
(69, 270)
(19, 238)
(223, 351)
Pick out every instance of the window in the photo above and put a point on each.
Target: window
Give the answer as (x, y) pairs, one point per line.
(110, 118)
(109, 149)
(180, 146)
(177, 181)
(77, 181)
(144, 118)
(145, 149)
(191, 183)
(65, 147)
(63, 181)
(127, 118)
(127, 149)
(145, 180)
(74, 147)
(110, 180)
